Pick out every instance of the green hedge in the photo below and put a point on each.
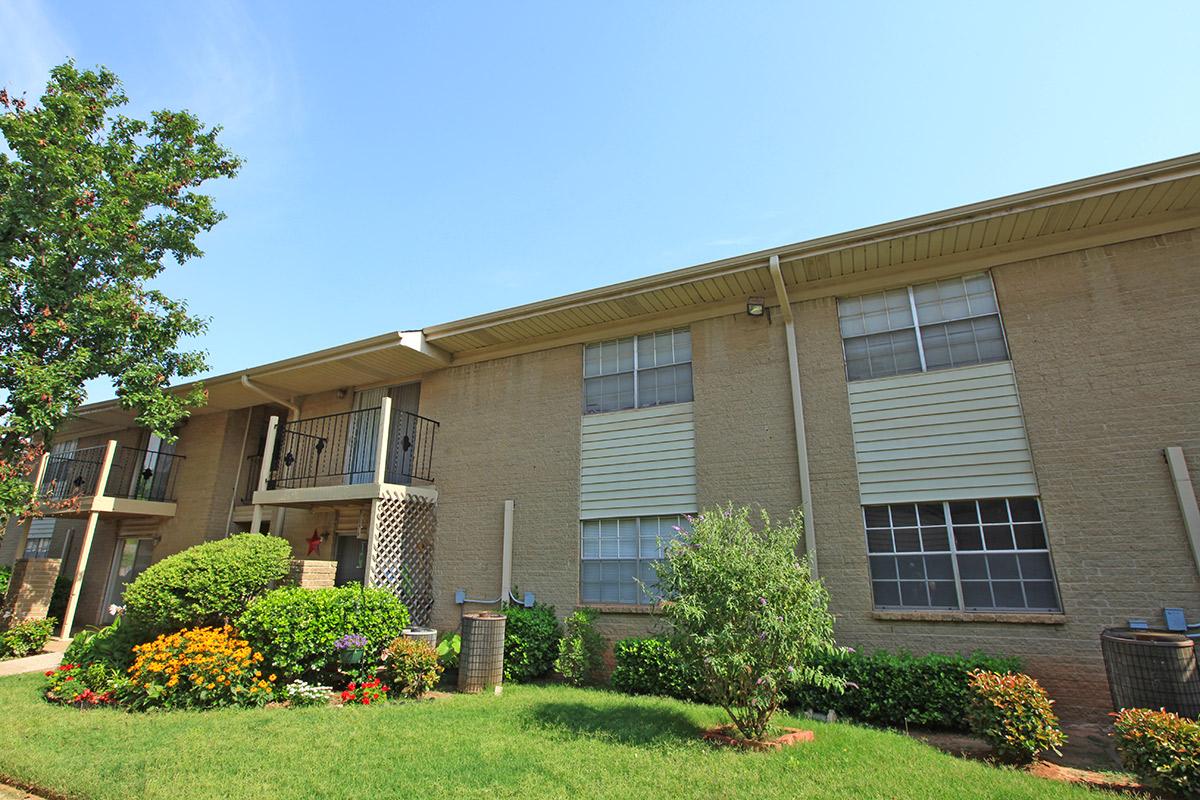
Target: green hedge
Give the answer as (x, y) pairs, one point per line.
(5, 575)
(209, 584)
(651, 666)
(295, 628)
(886, 689)
(902, 689)
(530, 641)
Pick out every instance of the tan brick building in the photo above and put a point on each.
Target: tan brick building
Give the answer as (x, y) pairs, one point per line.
(987, 396)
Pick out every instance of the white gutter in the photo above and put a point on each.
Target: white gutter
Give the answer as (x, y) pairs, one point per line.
(254, 387)
(785, 307)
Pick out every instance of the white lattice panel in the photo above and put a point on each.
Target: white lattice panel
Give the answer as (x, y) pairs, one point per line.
(402, 552)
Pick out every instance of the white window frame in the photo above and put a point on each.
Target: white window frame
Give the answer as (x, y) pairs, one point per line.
(637, 403)
(637, 560)
(954, 553)
(916, 327)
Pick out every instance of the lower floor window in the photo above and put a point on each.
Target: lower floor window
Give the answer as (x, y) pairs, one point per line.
(617, 557)
(973, 555)
(37, 547)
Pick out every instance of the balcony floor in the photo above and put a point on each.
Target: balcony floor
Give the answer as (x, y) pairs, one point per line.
(341, 494)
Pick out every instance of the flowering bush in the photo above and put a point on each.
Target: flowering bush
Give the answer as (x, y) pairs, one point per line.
(365, 692)
(198, 668)
(300, 693)
(1161, 748)
(411, 666)
(745, 613)
(581, 649)
(25, 638)
(1013, 713)
(82, 686)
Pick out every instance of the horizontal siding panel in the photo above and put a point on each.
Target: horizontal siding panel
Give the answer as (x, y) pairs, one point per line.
(638, 462)
(944, 435)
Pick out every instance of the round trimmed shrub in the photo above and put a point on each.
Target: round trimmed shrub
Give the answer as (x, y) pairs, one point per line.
(295, 628)
(206, 585)
(1013, 713)
(530, 642)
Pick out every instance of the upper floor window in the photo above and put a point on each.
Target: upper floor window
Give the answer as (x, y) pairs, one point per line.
(652, 369)
(947, 323)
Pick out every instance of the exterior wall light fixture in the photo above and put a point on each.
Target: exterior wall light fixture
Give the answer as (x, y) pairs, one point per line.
(755, 306)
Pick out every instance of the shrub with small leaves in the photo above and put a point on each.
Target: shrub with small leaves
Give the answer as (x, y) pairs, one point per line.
(297, 629)
(5, 577)
(530, 641)
(198, 668)
(652, 666)
(1013, 713)
(1161, 748)
(411, 666)
(581, 650)
(25, 638)
(209, 584)
(301, 693)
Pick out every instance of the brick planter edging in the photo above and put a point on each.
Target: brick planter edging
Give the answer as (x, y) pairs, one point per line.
(723, 735)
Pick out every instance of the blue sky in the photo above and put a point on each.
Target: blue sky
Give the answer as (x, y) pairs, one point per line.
(413, 163)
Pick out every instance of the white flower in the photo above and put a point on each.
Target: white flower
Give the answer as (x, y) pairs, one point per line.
(116, 610)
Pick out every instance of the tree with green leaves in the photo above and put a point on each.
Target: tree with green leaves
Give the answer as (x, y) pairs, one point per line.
(93, 206)
(746, 615)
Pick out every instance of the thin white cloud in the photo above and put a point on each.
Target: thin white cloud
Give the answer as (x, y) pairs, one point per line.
(31, 46)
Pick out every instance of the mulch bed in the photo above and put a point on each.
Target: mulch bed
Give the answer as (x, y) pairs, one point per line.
(727, 736)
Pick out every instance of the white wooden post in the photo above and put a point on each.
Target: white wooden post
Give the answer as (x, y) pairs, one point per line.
(381, 447)
(264, 472)
(39, 475)
(85, 548)
(372, 533)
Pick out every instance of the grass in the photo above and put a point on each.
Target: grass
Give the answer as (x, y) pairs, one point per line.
(532, 742)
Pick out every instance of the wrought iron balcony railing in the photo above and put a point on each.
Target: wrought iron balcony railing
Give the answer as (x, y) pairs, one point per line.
(139, 474)
(344, 448)
(135, 474)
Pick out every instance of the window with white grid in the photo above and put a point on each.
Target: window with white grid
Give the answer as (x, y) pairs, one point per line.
(936, 325)
(971, 555)
(637, 372)
(37, 544)
(616, 557)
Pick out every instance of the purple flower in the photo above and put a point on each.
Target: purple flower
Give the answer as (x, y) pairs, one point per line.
(351, 641)
(762, 635)
(762, 601)
(849, 650)
(852, 684)
(677, 529)
(759, 681)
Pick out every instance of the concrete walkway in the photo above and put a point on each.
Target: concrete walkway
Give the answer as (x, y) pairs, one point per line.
(38, 663)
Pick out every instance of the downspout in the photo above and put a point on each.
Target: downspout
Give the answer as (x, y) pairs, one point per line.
(785, 307)
(1181, 479)
(460, 596)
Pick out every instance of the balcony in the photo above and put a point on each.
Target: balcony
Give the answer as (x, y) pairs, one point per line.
(352, 456)
(109, 479)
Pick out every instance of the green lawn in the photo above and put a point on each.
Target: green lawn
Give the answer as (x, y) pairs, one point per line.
(533, 742)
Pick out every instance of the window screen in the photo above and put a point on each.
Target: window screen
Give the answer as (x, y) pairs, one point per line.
(972, 555)
(957, 324)
(640, 371)
(617, 557)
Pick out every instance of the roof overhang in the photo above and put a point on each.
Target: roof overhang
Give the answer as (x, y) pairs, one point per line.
(389, 358)
(1132, 203)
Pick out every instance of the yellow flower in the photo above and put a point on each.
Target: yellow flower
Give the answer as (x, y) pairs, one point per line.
(271, 677)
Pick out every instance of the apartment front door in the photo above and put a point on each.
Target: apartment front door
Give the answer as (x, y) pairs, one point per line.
(351, 560)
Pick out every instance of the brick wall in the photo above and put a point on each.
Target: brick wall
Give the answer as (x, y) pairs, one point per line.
(510, 429)
(30, 588)
(1106, 359)
(311, 573)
